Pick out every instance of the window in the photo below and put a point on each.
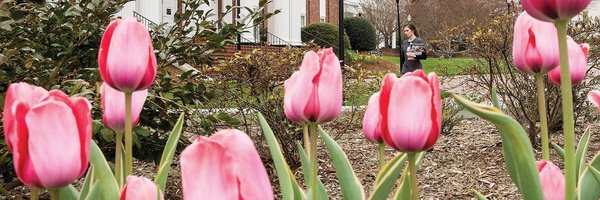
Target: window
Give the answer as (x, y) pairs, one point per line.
(302, 20)
(322, 19)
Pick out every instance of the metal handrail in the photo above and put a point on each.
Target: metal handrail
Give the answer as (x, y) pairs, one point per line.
(318, 38)
(275, 40)
(147, 22)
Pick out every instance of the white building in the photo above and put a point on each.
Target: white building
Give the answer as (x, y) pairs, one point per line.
(285, 26)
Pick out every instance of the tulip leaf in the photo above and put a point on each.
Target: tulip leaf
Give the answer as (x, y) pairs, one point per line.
(478, 195)
(287, 181)
(596, 173)
(559, 150)
(404, 190)
(495, 101)
(68, 193)
(349, 183)
(388, 176)
(103, 177)
(321, 192)
(516, 148)
(581, 150)
(89, 179)
(167, 156)
(588, 187)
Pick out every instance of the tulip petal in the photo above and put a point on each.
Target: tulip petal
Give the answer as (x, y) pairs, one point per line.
(577, 64)
(570, 8)
(103, 51)
(82, 110)
(371, 121)
(21, 158)
(552, 180)
(151, 70)
(140, 188)
(594, 97)
(251, 176)
(287, 98)
(205, 171)
(113, 105)
(303, 90)
(384, 104)
(127, 59)
(544, 10)
(25, 93)
(409, 126)
(329, 87)
(54, 145)
(436, 112)
(535, 45)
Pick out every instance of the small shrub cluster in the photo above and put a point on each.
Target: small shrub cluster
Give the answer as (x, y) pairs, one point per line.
(361, 33)
(324, 35)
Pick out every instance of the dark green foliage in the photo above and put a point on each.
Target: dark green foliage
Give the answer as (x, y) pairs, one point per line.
(324, 35)
(361, 33)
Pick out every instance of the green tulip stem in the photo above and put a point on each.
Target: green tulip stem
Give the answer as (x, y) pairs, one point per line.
(539, 79)
(119, 159)
(54, 194)
(35, 193)
(567, 108)
(306, 139)
(313, 158)
(413, 176)
(381, 154)
(128, 136)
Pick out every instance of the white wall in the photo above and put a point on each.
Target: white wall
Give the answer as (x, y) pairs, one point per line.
(279, 24)
(149, 9)
(126, 11)
(297, 9)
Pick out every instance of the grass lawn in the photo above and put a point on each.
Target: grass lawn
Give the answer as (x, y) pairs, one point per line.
(441, 66)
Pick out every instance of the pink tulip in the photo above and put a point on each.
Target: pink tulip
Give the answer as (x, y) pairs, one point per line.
(578, 55)
(225, 165)
(315, 92)
(535, 45)
(594, 97)
(551, 10)
(113, 105)
(140, 188)
(48, 133)
(552, 180)
(372, 120)
(126, 58)
(411, 111)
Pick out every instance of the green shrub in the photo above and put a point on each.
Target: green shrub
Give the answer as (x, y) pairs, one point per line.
(361, 33)
(324, 35)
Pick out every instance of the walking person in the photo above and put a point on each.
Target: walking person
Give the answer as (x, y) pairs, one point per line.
(412, 50)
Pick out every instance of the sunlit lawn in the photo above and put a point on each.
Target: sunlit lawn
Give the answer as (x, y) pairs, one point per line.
(442, 66)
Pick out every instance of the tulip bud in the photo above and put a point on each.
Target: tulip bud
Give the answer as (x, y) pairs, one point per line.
(126, 58)
(411, 111)
(372, 120)
(577, 63)
(48, 133)
(535, 45)
(315, 92)
(140, 188)
(225, 165)
(552, 180)
(113, 105)
(551, 10)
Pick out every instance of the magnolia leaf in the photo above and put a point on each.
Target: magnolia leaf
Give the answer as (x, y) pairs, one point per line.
(167, 156)
(349, 183)
(287, 181)
(516, 148)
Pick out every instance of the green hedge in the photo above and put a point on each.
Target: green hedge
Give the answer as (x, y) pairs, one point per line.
(324, 35)
(361, 33)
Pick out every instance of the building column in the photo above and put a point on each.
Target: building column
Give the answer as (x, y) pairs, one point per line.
(332, 12)
(313, 12)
